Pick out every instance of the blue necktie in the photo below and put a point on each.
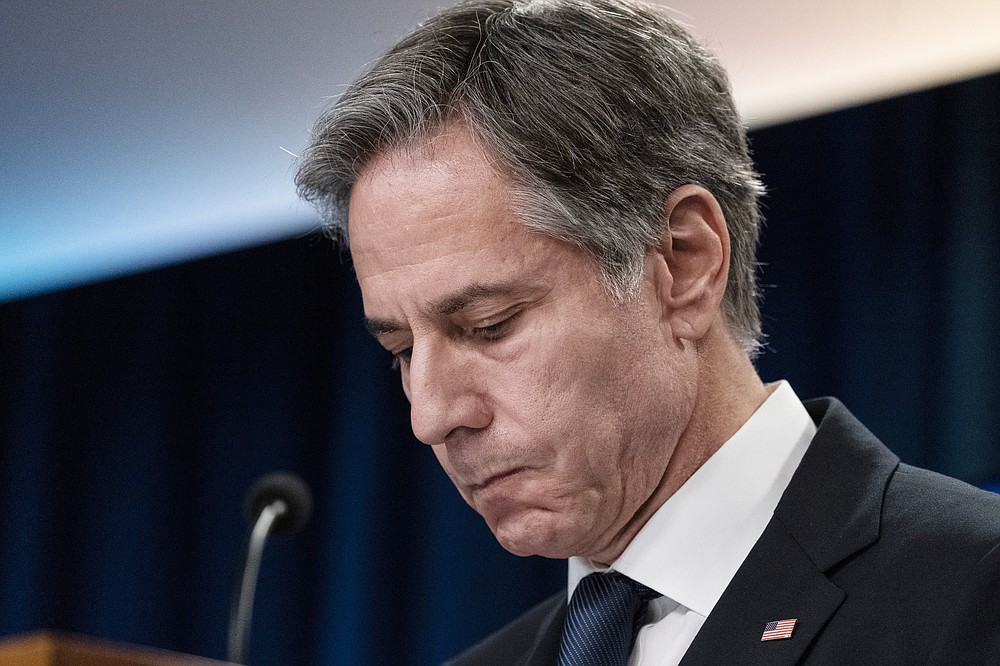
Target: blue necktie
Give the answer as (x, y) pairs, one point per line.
(603, 618)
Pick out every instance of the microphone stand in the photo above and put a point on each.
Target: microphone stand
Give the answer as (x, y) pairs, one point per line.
(239, 626)
(278, 503)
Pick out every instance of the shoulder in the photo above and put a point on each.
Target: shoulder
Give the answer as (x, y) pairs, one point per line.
(915, 554)
(928, 584)
(905, 513)
(923, 509)
(537, 630)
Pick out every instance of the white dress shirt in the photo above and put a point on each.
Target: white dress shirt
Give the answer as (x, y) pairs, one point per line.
(690, 549)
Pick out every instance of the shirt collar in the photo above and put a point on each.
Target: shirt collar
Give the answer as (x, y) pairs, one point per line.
(691, 548)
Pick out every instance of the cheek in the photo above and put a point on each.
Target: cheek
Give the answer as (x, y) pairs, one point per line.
(570, 382)
(559, 380)
(557, 399)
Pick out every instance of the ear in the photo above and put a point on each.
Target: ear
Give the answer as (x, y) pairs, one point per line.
(692, 261)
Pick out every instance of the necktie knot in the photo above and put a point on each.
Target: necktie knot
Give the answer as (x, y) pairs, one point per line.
(602, 620)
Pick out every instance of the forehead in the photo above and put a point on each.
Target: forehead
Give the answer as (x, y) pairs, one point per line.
(446, 155)
(434, 227)
(444, 196)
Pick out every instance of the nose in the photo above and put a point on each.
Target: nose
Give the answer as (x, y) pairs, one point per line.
(445, 390)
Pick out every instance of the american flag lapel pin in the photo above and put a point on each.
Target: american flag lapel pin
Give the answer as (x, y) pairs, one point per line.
(778, 629)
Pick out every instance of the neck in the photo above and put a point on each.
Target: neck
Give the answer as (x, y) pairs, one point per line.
(729, 391)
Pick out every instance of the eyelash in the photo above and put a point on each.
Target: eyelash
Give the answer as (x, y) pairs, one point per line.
(399, 356)
(494, 331)
(489, 333)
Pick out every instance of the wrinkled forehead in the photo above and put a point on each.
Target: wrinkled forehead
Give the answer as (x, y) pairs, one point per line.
(420, 200)
(446, 176)
(441, 144)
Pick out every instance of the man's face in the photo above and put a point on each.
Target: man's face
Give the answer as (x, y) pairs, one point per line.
(553, 410)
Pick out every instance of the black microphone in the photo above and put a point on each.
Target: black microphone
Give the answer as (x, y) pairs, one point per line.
(278, 503)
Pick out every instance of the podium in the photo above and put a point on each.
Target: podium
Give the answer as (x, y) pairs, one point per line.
(47, 648)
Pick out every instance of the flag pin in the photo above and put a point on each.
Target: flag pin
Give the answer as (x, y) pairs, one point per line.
(778, 629)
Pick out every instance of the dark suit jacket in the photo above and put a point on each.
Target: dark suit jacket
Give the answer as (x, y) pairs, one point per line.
(880, 563)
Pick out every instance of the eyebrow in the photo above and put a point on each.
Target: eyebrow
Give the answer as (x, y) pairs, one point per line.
(379, 327)
(449, 305)
(467, 295)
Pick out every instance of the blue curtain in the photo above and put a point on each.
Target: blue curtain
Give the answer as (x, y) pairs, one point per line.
(881, 260)
(135, 413)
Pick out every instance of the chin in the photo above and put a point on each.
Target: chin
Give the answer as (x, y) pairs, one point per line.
(535, 532)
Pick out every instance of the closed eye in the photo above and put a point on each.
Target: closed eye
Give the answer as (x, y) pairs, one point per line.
(490, 333)
(494, 331)
(400, 357)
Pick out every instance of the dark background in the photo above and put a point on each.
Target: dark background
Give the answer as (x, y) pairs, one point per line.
(135, 413)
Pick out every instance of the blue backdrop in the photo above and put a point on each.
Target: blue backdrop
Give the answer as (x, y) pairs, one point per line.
(135, 413)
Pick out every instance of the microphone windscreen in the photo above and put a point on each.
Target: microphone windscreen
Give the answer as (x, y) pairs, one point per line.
(280, 486)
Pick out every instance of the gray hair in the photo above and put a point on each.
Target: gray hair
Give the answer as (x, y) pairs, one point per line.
(597, 110)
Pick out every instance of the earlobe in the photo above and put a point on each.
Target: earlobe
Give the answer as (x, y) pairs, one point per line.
(694, 252)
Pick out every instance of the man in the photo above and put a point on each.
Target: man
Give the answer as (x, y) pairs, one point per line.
(553, 218)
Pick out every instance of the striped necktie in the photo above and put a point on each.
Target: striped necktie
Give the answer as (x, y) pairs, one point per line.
(603, 618)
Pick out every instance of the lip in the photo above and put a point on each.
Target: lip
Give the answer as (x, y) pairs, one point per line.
(497, 479)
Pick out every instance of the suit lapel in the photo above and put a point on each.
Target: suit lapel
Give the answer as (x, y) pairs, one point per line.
(545, 650)
(830, 510)
(777, 581)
